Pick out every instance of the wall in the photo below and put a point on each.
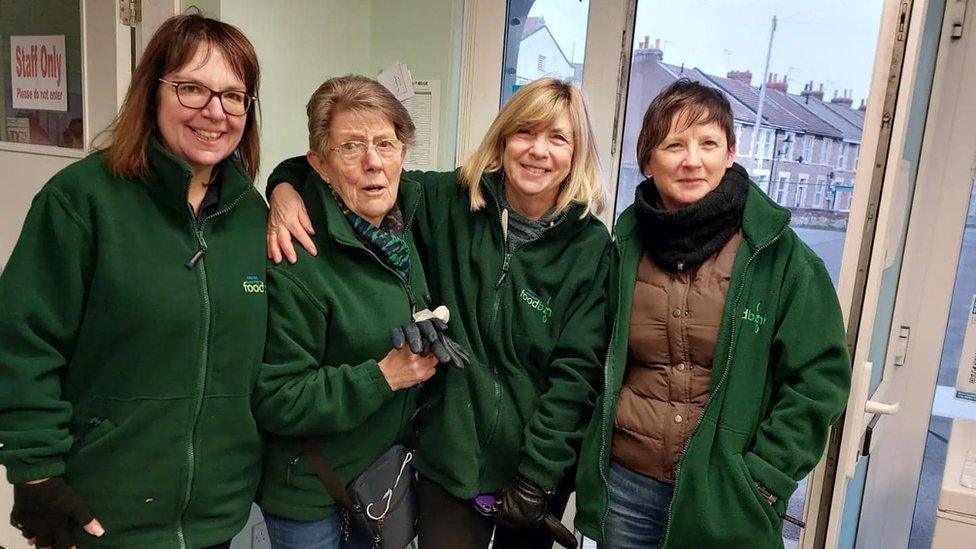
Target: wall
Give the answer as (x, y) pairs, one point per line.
(299, 44)
(426, 36)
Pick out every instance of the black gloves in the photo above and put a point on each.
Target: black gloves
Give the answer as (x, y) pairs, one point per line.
(523, 505)
(49, 512)
(428, 334)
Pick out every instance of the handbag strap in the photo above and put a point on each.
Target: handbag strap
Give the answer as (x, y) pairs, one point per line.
(327, 475)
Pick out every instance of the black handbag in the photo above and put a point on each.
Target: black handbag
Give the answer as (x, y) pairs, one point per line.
(380, 504)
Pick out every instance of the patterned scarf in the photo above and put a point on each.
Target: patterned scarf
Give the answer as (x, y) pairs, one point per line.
(386, 241)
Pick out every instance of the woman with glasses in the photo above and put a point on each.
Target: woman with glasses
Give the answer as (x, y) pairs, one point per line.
(511, 247)
(134, 314)
(329, 368)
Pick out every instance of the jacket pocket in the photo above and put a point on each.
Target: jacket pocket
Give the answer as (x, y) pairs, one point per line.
(91, 432)
(750, 487)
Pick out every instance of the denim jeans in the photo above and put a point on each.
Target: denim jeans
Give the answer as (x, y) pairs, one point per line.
(316, 534)
(638, 511)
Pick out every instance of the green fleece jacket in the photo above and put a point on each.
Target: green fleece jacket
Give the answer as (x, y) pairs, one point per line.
(124, 370)
(779, 380)
(329, 321)
(534, 319)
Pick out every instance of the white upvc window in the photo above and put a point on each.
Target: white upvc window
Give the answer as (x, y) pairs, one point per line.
(819, 191)
(825, 151)
(790, 147)
(782, 187)
(808, 148)
(841, 155)
(737, 130)
(766, 137)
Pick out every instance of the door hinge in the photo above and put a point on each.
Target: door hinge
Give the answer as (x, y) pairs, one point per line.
(901, 345)
(130, 12)
(958, 18)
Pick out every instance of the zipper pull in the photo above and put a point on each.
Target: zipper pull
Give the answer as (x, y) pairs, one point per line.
(197, 256)
(201, 251)
(792, 520)
(505, 224)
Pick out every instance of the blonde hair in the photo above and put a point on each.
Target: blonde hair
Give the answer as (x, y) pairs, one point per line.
(354, 93)
(538, 104)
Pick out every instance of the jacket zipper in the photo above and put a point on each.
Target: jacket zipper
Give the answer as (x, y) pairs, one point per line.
(606, 406)
(506, 262)
(725, 374)
(198, 257)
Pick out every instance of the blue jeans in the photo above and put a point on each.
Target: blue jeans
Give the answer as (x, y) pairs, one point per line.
(316, 534)
(638, 511)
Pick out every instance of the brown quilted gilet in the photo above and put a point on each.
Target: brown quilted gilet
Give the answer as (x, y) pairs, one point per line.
(674, 323)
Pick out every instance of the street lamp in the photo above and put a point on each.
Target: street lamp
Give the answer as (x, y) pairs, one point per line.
(777, 153)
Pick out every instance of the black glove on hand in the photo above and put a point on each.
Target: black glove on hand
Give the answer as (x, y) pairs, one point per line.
(523, 505)
(49, 511)
(430, 336)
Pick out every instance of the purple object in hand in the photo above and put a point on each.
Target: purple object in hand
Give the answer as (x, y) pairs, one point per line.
(486, 504)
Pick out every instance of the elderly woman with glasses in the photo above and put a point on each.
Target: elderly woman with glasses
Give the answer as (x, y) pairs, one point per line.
(511, 247)
(134, 315)
(329, 370)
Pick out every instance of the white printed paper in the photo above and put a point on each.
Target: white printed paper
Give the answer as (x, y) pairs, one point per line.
(396, 77)
(38, 75)
(424, 108)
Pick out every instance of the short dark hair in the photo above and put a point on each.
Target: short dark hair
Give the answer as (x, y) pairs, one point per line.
(702, 104)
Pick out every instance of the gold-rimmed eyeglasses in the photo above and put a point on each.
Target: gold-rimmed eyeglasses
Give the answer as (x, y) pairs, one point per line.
(194, 95)
(355, 150)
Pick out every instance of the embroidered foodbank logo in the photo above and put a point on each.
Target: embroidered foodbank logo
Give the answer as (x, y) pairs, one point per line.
(757, 318)
(534, 301)
(253, 285)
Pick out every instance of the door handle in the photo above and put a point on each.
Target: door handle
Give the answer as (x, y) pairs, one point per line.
(874, 407)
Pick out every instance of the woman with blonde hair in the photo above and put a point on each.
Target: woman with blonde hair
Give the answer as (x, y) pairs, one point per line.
(134, 314)
(510, 245)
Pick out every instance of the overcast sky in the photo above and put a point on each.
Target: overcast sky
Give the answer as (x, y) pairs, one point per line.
(828, 41)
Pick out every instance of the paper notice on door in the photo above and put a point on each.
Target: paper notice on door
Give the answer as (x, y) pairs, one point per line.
(966, 378)
(396, 78)
(424, 108)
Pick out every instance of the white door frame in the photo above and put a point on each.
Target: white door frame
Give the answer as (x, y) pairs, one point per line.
(932, 253)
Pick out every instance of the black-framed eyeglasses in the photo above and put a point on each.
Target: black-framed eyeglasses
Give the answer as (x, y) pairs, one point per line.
(194, 95)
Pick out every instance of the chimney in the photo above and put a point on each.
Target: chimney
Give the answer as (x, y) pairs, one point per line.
(645, 53)
(744, 77)
(842, 100)
(775, 84)
(809, 92)
(863, 106)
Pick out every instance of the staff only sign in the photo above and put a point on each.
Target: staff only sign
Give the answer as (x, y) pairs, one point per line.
(37, 65)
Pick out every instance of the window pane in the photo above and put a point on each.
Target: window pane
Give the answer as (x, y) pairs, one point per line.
(42, 81)
(543, 38)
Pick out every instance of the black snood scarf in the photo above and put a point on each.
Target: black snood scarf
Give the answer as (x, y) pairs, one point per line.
(683, 239)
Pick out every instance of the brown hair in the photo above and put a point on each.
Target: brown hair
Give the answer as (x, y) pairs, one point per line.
(537, 104)
(354, 93)
(695, 102)
(173, 46)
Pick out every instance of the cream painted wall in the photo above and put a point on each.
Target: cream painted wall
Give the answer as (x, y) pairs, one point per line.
(427, 37)
(299, 44)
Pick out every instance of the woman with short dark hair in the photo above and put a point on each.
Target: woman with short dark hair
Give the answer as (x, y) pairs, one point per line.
(727, 363)
(134, 314)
